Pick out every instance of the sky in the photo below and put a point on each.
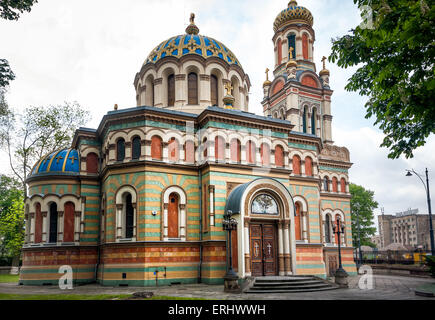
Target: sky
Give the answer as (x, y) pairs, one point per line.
(90, 52)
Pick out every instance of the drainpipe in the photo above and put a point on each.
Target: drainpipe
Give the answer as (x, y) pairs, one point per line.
(200, 227)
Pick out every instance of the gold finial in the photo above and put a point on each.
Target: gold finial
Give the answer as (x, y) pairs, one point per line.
(292, 3)
(115, 107)
(324, 63)
(192, 28)
(267, 74)
(229, 87)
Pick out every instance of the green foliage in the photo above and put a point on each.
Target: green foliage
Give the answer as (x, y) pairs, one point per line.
(6, 74)
(39, 131)
(9, 278)
(11, 9)
(362, 205)
(430, 262)
(395, 61)
(11, 217)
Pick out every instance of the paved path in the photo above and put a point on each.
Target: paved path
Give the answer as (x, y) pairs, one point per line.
(385, 288)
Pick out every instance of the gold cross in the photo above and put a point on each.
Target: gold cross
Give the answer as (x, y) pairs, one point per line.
(72, 158)
(58, 158)
(323, 60)
(229, 88)
(291, 49)
(267, 74)
(192, 18)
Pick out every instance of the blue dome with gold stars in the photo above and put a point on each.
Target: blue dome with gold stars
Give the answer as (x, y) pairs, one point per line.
(192, 43)
(61, 162)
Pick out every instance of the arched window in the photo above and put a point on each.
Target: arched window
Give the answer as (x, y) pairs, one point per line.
(298, 220)
(264, 204)
(292, 44)
(313, 121)
(328, 229)
(326, 184)
(305, 46)
(192, 89)
(92, 163)
(120, 150)
(304, 120)
(343, 185)
(189, 151)
(219, 148)
(156, 148)
(173, 152)
(334, 184)
(308, 167)
(214, 90)
(53, 223)
(38, 223)
(279, 156)
(171, 90)
(337, 217)
(279, 48)
(296, 165)
(236, 150)
(173, 220)
(251, 152)
(68, 227)
(205, 146)
(136, 148)
(265, 154)
(129, 216)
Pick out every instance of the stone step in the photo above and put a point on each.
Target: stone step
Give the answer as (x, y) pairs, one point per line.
(290, 290)
(289, 278)
(293, 283)
(307, 286)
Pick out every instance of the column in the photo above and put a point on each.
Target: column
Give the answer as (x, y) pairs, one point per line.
(281, 249)
(118, 222)
(247, 248)
(60, 216)
(165, 221)
(183, 222)
(204, 90)
(158, 92)
(134, 220)
(32, 227)
(304, 226)
(299, 54)
(77, 226)
(128, 151)
(44, 227)
(211, 190)
(287, 265)
(82, 218)
(324, 230)
(180, 89)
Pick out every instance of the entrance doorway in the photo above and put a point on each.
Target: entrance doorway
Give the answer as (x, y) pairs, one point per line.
(263, 248)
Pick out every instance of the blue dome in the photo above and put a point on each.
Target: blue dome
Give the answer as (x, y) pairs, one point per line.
(182, 45)
(62, 162)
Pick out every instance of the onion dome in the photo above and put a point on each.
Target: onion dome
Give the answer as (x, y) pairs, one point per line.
(192, 43)
(61, 162)
(267, 83)
(293, 14)
(324, 71)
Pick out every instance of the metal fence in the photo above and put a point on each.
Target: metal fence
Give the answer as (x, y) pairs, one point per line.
(391, 257)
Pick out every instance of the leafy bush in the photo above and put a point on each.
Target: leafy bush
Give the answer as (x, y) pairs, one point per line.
(430, 262)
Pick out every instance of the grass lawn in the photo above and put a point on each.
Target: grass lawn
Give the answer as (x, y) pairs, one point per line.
(9, 278)
(4, 296)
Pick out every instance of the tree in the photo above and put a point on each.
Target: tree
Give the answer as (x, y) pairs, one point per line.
(11, 217)
(395, 58)
(6, 74)
(26, 138)
(362, 205)
(11, 9)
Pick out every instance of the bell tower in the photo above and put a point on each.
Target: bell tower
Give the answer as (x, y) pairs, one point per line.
(297, 93)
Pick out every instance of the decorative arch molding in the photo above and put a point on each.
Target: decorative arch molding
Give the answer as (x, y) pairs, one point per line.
(314, 78)
(60, 200)
(239, 203)
(305, 221)
(182, 204)
(121, 212)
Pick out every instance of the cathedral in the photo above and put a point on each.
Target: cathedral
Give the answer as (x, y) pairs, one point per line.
(141, 200)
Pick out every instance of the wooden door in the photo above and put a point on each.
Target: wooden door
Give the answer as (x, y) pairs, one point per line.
(173, 216)
(263, 250)
(68, 228)
(332, 265)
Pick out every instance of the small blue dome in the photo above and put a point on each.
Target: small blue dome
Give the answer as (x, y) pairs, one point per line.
(182, 45)
(61, 162)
